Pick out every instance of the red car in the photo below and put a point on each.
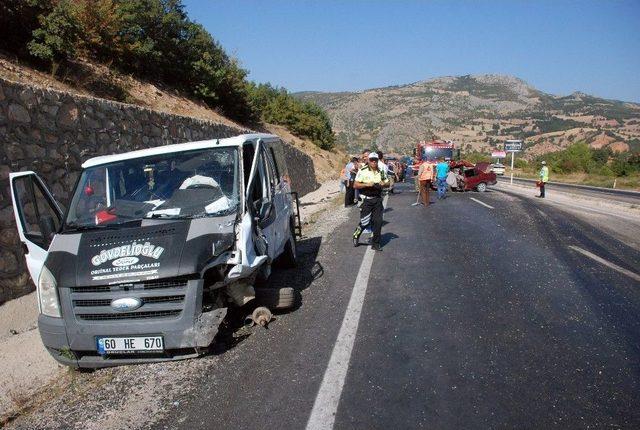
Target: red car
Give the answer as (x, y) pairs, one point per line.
(478, 177)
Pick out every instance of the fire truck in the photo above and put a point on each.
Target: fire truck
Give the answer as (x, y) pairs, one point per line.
(432, 150)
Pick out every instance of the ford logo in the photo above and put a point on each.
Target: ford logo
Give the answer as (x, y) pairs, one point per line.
(126, 304)
(125, 261)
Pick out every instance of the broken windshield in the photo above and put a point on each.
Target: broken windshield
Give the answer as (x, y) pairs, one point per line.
(176, 185)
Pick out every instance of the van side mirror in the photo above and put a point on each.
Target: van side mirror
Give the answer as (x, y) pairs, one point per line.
(48, 228)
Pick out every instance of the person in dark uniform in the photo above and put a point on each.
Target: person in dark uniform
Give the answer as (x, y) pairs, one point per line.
(370, 181)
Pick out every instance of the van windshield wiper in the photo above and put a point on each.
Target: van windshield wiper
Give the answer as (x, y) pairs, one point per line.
(168, 216)
(112, 226)
(83, 227)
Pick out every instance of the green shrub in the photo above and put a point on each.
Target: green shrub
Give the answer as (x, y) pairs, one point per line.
(304, 119)
(580, 158)
(57, 37)
(519, 163)
(476, 157)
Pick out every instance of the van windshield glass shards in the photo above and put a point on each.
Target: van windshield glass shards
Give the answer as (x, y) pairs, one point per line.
(177, 185)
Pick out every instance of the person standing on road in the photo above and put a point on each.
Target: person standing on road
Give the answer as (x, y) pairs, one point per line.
(544, 178)
(452, 181)
(370, 180)
(425, 177)
(364, 159)
(459, 180)
(350, 174)
(442, 169)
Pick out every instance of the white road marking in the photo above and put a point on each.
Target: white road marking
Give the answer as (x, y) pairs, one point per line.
(482, 203)
(541, 213)
(601, 260)
(323, 414)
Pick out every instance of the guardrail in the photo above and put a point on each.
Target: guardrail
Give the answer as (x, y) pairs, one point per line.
(564, 185)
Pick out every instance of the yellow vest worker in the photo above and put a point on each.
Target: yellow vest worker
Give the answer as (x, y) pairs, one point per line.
(544, 178)
(370, 181)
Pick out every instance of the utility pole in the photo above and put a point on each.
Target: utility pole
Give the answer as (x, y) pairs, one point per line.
(513, 155)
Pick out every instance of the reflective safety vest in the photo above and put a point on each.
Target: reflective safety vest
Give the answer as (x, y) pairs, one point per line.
(367, 175)
(544, 174)
(427, 172)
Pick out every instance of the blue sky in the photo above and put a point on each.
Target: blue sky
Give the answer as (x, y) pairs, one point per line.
(557, 46)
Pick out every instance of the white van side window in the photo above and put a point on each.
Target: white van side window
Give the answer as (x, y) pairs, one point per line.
(274, 178)
(277, 151)
(36, 207)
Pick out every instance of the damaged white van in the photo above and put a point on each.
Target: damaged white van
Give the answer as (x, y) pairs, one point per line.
(155, 246)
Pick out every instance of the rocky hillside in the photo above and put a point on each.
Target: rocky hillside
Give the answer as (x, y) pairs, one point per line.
(479, 113)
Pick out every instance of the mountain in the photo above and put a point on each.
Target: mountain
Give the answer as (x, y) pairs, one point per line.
(479, 113)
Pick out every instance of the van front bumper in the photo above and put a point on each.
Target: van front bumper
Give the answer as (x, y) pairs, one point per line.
(72, 340)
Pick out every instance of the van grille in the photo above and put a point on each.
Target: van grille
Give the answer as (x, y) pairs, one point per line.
(160, 299)
(129, 316)
(107, 302)
(148, 285)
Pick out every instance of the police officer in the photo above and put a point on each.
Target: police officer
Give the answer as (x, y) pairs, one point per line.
(370, 181)
(544, 178)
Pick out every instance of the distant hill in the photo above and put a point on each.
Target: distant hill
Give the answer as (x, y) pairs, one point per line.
(479, 113)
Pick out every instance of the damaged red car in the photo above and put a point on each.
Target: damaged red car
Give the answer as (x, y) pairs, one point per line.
(476, 177)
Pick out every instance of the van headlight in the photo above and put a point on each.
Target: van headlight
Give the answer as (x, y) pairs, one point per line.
(48, 294)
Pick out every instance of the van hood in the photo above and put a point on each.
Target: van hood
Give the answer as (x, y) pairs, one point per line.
(156, 249)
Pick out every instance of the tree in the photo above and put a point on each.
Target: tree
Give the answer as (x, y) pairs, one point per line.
(57, 37)
(304, 119)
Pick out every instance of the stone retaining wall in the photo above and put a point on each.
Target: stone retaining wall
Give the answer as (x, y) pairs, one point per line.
(53, 132)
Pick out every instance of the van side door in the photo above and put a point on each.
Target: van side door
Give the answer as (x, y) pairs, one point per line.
(281, 200)
(259, 197)
(38, 218)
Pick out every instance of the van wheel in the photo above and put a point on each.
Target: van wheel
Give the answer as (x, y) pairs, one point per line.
(276, 298)
(482, 187)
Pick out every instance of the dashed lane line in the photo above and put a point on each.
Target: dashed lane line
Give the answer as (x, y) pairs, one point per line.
(601, 260)
(482, 203)
(325, 407)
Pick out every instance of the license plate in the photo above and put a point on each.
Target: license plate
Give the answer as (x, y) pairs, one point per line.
(123, 345)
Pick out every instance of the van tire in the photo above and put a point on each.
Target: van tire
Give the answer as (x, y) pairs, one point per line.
(276, 298)
(482, 187)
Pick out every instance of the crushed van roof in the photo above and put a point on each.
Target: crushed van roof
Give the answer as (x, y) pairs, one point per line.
(178, 147)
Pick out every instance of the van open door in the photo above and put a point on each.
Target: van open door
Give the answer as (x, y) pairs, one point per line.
(38, 218)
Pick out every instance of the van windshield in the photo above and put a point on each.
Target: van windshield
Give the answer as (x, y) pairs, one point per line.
(177, 185)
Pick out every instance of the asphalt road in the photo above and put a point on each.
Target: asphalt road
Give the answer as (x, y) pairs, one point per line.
(473, 317)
